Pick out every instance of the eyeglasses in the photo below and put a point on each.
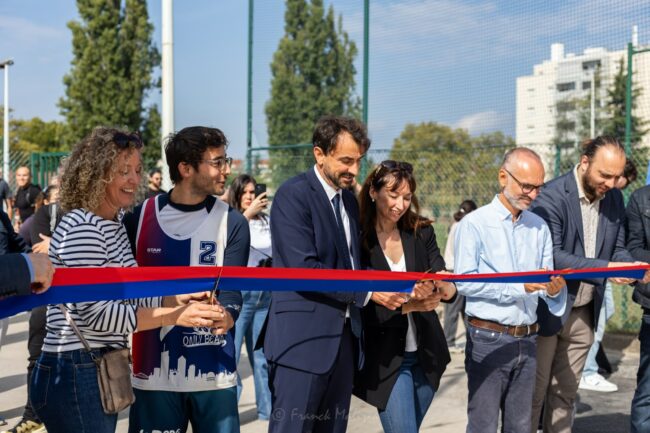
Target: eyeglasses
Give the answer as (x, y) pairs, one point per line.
(219, 163)
(123, 140)
(526, 188)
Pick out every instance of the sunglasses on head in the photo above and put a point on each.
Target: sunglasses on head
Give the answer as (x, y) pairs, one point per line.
(123, 140)
(391, 165)
(397, 165)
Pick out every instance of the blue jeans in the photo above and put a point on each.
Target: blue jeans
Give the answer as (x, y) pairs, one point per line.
(606, 311)
(501, 373)
(169, 411)
(640, 414)
(409, 399)
(65, 395)
(255, 306)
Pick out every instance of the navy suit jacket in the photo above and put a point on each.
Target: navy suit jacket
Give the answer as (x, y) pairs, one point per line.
(559, 205)
(14, 275)
(303, 329)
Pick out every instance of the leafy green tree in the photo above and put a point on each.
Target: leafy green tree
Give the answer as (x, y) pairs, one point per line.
(113, 61)
(312, 75)
(151, 137)
(615, 123)
(450, 165)
(34, 135)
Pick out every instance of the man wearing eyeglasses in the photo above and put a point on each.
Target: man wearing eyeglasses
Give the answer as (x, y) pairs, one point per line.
(586, 215)
(504, 236)
(181, 374)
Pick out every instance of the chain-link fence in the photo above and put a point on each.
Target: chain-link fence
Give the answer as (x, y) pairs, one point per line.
(17, 159)
(43, 166)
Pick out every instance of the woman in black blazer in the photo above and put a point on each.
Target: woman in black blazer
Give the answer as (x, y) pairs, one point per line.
(405, 348)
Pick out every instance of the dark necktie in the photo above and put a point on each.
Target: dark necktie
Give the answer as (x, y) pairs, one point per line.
(355, 313)
(342, 241)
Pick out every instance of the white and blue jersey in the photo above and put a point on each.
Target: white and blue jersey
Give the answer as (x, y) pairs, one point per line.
(175, 358)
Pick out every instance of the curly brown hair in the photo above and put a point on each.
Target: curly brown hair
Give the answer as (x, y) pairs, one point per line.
(90, 168)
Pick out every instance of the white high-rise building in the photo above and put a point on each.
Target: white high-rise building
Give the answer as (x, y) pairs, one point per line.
(549, 94)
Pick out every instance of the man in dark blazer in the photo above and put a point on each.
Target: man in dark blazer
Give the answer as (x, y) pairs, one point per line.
(18, 272)
(638, 243)
(586, 216)
(24, 274)
(311, 338)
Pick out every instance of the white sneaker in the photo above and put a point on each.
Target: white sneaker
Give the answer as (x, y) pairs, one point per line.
(596, 382)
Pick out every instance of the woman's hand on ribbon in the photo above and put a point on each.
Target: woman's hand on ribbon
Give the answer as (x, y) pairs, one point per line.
(428, 303)
(392, 301)
(422, 289)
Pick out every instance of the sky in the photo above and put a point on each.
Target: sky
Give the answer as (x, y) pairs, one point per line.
(449, 61)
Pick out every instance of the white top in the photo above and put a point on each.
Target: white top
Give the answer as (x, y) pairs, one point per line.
(449, 247)
(260, 240)
(411, 333)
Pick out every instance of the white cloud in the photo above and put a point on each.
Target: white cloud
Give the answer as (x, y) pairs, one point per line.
(446, 33)
(484, 121)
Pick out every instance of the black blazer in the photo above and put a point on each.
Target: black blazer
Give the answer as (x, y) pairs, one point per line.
(638, 238)
(385, 330)
(559, 205)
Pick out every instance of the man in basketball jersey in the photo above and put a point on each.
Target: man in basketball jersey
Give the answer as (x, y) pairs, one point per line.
(183, 375)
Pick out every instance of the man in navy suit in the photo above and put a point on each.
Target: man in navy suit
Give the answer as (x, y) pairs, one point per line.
(586, 216)
(311, 338)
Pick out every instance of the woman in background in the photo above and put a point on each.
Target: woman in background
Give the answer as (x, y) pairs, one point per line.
(255, 304)
(453, 309)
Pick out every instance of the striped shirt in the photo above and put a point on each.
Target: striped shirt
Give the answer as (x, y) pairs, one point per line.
(84, 240)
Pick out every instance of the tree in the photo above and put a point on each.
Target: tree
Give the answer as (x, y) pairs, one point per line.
(151, 137)
(450, 165)
(34, 135)
(113, 61)
(312, 75)
(615, 124)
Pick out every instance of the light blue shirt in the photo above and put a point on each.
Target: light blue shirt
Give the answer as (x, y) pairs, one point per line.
(488, 241)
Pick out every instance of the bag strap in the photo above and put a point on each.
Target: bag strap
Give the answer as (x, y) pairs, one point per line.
(72, 323)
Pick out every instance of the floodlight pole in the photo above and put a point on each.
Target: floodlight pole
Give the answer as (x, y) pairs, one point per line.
(5, 140)
(167, 77)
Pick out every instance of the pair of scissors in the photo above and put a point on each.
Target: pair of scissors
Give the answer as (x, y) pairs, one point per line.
(215, 289)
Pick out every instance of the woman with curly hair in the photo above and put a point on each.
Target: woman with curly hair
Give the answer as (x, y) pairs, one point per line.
(100, 179)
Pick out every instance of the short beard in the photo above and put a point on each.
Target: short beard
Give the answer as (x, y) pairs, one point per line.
(514, 202)
(335, 180)
(590, 191)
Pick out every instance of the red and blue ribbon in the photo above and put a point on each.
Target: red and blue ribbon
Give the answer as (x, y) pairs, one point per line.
(96, 284)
